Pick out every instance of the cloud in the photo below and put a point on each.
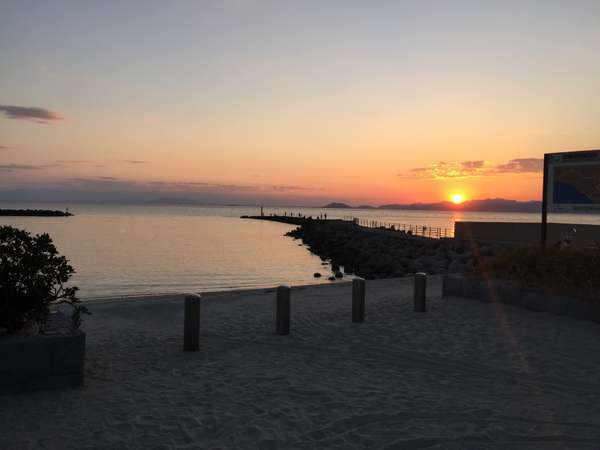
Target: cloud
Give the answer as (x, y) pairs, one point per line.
(4, 147)
(134, 161)
(291, 188)
(111, 189)
(443, 169)
(522, 165)
(68, 163)
(103, 183)
(55, 164)
(107, 183)
(469, 169)
(472, 164)
(17, 167)
(38, 115)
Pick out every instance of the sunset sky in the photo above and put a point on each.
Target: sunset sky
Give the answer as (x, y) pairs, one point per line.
(293, 102)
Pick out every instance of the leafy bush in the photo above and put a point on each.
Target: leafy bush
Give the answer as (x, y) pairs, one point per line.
(566, 270)
(33, 277)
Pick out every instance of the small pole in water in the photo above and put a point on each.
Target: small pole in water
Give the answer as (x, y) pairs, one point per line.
(358, 300)
(282, 310)
(191, 323)
(420, 291)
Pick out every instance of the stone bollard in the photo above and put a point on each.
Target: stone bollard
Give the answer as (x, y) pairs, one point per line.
(282, 310)
(358, 300)
(191, 323)
(420, 291)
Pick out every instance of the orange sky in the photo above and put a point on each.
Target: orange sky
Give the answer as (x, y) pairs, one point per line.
(295, 101)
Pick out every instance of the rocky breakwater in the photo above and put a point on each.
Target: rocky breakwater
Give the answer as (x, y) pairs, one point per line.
(382, 253)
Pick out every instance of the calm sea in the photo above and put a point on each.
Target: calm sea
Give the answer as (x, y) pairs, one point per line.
(138, 250)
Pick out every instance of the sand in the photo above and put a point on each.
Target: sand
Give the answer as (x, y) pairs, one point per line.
(463, 375)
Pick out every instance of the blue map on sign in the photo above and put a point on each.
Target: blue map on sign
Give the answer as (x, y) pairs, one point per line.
(569, 194)
(576, 185)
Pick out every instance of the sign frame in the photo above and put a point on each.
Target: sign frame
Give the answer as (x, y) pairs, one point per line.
(564, 159)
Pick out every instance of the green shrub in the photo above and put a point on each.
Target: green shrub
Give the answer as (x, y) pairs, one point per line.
(33, 277)
(566, 270)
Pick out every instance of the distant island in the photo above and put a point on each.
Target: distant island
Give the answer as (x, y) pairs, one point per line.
(485, 205)
(336, 205)
(33, 213)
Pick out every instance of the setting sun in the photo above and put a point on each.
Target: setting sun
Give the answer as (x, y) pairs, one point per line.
(457, 199)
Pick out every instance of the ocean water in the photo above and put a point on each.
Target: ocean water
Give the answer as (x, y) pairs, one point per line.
(138, 250)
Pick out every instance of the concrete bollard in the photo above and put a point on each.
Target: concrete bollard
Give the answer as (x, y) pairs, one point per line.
(358, 300)
(420, 291)
(282, 310)
(191, 323)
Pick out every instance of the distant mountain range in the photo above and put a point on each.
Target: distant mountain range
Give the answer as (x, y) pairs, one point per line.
(488, 205)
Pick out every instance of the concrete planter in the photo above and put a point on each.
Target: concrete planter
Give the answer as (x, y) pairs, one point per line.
(502, 291)
(51, 360)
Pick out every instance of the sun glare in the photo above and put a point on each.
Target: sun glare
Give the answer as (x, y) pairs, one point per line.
(457, 199)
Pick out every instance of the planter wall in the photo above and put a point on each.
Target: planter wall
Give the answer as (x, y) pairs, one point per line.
(502, 291)
(524, 233)
(45, 361)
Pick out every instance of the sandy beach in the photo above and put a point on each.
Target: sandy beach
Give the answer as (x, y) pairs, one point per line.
(463, 375)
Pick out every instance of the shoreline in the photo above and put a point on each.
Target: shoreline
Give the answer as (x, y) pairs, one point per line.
(382, 254)
(180, 295)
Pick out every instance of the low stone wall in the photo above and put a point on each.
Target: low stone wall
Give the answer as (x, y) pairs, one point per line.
(502, 291)
(51, 360)
(525, 233)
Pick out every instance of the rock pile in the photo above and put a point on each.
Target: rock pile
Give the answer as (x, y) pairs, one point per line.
(375, 254)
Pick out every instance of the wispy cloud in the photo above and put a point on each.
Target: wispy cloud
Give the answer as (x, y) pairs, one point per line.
(472, 164)
(108, 183)
(198, 185)
(469, 169)
(100, 188)
(284, 188)
(38, 115)
(522, 165)
(445, 169)
(18, 167)
(134, 161)
(5, 147)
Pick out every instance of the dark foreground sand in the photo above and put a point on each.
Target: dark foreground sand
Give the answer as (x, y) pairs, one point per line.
(463, 375)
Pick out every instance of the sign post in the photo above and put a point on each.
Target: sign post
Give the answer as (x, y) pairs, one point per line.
(544, 230)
